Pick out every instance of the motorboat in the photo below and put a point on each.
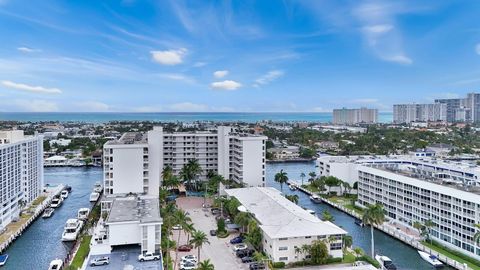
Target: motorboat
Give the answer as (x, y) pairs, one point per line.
(83, 213)
(3, 259)
(48, 212)
(56, 264)
(94, 196)
(64, 194)
(68, 188)
(310, 211)
(98, 187)
(431, 259)
(292, 187)
(385, 262)
(72, 229)
(315, 198)
(56, 202)
(359, 222)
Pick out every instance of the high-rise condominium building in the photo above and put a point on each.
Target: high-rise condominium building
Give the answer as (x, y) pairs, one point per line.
(134, 163)
(418, 189)
(407, 113)
(355, 116)
(21, 172)
(462, 109)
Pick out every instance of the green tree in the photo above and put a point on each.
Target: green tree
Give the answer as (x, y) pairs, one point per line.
(373, 215)
(428, 225)
(205, 265)
(326, 216)
(242, 219)
(347, 241)
(181, 218)
(302, 176)
(347, 187)
(254, 235)
(476, 236)
(281, 178)
(199, 239)
(318, 252)
(293, 198)
(312, 176)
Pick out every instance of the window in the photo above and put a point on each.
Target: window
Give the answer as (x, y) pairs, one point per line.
(283, 248)
(283, 259)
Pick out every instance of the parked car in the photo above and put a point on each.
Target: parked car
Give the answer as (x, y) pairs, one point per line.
(187, 264)
(100, 261)
(213, 232)
(192, 260)
(256, 266)
(189, 257)
(149, 256)
(236, 240)
(240, 247)
(188, 267)
(247, 259)
(214, 209)
(185, 248)
(177, 227)
(245, 252)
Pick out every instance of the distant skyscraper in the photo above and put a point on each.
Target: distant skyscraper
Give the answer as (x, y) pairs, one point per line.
(407, 113)
(462, 109)
(355, 116)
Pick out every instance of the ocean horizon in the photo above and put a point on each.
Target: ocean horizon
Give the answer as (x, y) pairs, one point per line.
(104, 117)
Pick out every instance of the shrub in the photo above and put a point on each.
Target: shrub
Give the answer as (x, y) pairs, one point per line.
(370, 260)
(278, 265)
(334, 260)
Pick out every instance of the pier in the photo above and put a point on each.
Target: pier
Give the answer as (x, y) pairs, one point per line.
(409, 240)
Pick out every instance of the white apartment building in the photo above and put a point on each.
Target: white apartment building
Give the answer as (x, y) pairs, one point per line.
(134, 162)
(355, 116)
(21, 172)
(285, 225)
(419, 189)
(407, 113)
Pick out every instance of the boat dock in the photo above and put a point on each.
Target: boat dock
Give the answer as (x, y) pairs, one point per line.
(15, 229)
(399, 235)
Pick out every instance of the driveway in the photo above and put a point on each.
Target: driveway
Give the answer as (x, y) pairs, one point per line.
(219, 251)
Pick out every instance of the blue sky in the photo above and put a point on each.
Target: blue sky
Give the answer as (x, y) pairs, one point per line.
(155, 56)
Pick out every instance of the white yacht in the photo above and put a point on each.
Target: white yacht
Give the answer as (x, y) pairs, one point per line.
(56, 264)
(431, 259)
(56, 202)
(310, 211)
(292, 187)
(385, 262)
(83, 213)
(64, 194)
(72, 229)
(48, 212)
(98, 187)
(94, 196)
(315, 198)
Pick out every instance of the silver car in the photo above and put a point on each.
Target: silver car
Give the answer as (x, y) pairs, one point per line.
(100, 261)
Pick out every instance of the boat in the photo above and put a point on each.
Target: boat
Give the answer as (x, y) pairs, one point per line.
(3, 259)
(83, 213)
(56, 202)
(310, 211)
(64, 194)
(315, 198)
(68, 188)
(56, 264)
(431, 259)
(293, 187)
(94, 196)
(385, 262)
(359, 222)
(48, 212)
(98, 187)
(72, 229)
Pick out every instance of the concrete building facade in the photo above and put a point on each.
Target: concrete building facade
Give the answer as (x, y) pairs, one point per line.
(407, 113)
(355, 116)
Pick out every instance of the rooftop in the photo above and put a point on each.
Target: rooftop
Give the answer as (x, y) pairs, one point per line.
(279, 217)
(133, 208)
(130, 138)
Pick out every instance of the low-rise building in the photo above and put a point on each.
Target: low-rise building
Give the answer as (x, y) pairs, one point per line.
(285, 225)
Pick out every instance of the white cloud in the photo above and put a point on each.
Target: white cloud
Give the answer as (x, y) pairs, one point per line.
(378, 29)
(400, 59)
(177, 77)
(93, 106)
(199, 64)
(220, 73)
(226, 85)
(36, 105)
(188, 107)
(477, 48)
(364, 100)
(27, 50)
(269, 77)
(169, 57)
(320, 109)
(29, 88)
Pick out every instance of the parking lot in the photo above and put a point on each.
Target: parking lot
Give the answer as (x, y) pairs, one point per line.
(125, 259)
(220, 251)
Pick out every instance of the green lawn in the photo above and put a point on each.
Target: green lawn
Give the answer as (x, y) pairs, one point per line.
(348, 257)
(474, 266)
(311, 188)
(82, 252)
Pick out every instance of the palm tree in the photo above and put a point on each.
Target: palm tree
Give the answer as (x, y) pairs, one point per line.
(358, 251)
(326, 216)
(181, 218)
(476, 236)
(194, 168)
(418, 226)
(347, 241)
(205, 265)
(199, 238)
(312, 176)
(347, 187)
(281, 177)
(242, 219)
(293, 198)
(167, 172)
(302, 175)
(428, 224)
(373, 215)
(298, 250)
(188, 229)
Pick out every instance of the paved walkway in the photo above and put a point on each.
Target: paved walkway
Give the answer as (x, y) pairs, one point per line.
(219, 251)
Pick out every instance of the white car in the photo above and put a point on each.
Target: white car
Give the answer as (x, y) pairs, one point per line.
(189, 257)
(100, 261)
(177, 227)
(149, 256)
(239, 247)
(188, 266)
(193, 260)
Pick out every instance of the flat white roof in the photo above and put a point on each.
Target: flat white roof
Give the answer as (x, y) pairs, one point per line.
(279, 217)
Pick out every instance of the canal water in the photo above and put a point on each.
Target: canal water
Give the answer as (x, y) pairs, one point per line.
(404, 256)
(41, 242)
